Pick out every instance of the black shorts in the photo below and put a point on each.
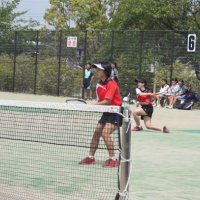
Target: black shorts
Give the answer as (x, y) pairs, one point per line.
(112, 118)
(86, 83)
(148, 109)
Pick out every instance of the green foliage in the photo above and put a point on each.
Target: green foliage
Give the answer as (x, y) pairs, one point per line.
(124, 14)
(25, 71)
(7, 16)
(157, 14)
(46, 76)
(70, 79)
(163, 72)
(180, 71)
(10, 21)
(6, 72)
(86, 14)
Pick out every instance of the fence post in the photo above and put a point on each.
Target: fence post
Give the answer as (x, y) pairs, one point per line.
(141, 52)
(59, 63)
(112, 45)
(14, 62)
(172, 56)
(84, 61)
(125, 154)
(36, 62)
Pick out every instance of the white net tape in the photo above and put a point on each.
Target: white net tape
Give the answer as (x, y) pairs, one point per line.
(60, 106)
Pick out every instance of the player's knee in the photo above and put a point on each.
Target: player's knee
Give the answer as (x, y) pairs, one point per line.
(148, 126)
(105, 135)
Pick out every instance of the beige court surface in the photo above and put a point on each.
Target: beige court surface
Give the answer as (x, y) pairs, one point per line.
(164, 166)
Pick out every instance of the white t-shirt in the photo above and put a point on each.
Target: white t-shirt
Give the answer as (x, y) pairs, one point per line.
(138, 91)
(173, 89)
(164, 90)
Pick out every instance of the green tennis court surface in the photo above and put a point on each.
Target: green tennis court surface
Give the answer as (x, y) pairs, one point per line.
(167, 166)
(41, 145)
(190, 131)
(164, 166)
(48, 171)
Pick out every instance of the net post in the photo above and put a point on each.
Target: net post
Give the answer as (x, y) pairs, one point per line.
(125, 154)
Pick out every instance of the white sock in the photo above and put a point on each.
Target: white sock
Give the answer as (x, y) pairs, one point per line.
(113, 158)
(92, 157)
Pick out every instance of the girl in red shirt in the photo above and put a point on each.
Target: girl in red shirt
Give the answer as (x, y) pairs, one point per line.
(107, 94)
(144, 100)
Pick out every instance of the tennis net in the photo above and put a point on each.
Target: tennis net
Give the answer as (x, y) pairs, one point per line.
(40, 147)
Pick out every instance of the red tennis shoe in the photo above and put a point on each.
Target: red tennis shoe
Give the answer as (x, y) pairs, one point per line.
(110, 163)
(87, 161)
(137, 128)
(165, 130)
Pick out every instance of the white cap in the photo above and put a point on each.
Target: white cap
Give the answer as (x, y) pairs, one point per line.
(98, 66)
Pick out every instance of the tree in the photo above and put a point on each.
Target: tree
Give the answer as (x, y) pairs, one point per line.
(6, 73)
(10, 21)
(8, 17)
(6, 22)
(85, 14)
(157, 14)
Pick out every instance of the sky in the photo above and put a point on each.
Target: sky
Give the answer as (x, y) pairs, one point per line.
(35, 8)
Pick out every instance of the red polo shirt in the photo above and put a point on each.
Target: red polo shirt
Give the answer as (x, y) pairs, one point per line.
(143, 99)
(109, 90)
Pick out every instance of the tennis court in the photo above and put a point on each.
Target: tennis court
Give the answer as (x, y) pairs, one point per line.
(40, 147)
(164, 166)
(167, 166)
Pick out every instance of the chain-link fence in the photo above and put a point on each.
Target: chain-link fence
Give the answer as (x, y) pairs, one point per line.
(41, 62)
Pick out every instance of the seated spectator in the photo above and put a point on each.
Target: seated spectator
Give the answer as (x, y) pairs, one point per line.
(162, 93)
(190, 98)
(173, 89)
(180, 93)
